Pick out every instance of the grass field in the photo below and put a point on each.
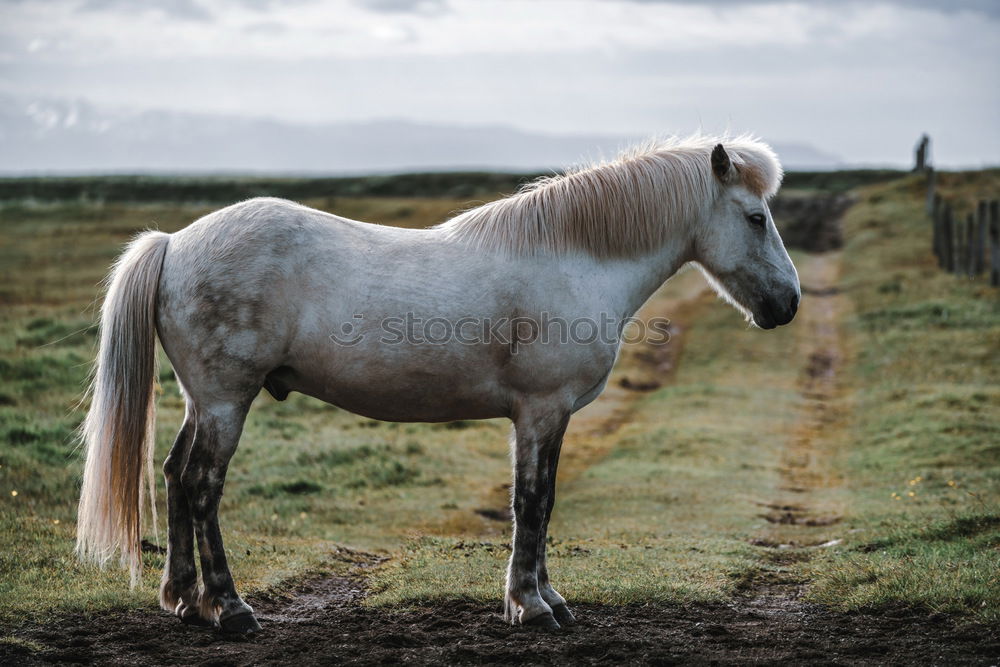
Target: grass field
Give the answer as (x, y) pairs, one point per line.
(923, 463)
(665, 495)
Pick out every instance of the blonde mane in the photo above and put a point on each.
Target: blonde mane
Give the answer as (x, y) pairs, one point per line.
(620, 208)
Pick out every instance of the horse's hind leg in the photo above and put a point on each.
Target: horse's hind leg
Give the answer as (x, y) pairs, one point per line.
(536, 438)
(179, 588)
(218, 433)
(560, 611)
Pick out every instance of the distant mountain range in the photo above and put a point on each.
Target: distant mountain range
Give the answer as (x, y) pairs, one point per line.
(70, 137)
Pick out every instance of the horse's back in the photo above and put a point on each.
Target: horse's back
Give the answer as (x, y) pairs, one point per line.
(263, 226)
(232, 285)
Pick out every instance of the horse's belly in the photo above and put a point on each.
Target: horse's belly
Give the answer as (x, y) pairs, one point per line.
(389, 405)
(427, 382)
(405, 397)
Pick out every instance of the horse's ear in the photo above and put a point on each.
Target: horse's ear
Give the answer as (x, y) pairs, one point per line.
(721, 164)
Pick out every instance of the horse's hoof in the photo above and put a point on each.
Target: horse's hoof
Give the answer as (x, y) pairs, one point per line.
(563, 615)
(241, 624)
(544, 621)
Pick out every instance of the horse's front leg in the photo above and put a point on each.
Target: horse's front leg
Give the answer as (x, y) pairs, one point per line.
(560, 610)
(215, 441)
(536, 438)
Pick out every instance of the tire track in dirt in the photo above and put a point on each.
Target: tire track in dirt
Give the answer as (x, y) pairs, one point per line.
(805, 511)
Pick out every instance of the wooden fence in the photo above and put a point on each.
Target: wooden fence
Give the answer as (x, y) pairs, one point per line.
(966, 247)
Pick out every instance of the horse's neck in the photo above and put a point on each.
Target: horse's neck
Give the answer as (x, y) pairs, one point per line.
(642, 274)
(656, 269)
(634, 280)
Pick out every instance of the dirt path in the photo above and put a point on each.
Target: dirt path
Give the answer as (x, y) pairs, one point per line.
(804, 513)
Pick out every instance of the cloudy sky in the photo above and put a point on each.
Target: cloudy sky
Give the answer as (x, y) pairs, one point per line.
(861, 79)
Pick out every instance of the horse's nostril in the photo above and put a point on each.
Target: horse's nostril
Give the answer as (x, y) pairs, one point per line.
(794, 305)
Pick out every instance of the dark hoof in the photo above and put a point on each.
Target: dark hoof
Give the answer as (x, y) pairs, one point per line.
(563, 615)
(195, 620)
(544, 621)
(241, 624)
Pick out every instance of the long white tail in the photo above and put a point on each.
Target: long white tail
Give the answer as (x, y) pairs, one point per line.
(119, 431)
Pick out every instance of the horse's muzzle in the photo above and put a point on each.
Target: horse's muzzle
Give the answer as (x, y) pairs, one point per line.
(775, 313)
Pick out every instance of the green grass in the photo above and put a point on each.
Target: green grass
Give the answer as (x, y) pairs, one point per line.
(924, 467)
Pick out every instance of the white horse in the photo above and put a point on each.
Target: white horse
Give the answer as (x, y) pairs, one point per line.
(268, 293)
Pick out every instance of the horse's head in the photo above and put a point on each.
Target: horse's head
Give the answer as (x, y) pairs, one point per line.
(738, 246)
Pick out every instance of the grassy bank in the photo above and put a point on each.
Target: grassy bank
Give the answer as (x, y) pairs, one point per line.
(923, 464)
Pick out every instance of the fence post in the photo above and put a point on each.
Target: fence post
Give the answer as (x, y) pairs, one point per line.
(936, 222)
(947, 240)
(979, 244)
(995, 243)
(931, 189)
(922, 153)
(958, 264)
(970, 245)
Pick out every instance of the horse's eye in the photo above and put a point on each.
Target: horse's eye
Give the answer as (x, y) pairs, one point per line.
(757, 219)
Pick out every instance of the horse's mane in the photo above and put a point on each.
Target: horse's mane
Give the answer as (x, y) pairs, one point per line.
(619, 208)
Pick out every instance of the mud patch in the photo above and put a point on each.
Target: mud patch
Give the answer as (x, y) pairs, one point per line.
(502, 514)
(782, 508)
(820, 365)
(800, 519)
(820, 291)
(651, 385)
(148, 547)
(322, 621)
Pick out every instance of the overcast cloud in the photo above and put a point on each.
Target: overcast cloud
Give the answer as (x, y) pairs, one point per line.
(860, 79)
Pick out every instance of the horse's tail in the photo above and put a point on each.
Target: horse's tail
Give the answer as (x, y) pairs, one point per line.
(119, 431)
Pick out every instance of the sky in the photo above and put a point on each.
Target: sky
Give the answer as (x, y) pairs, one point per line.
(861, 79)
